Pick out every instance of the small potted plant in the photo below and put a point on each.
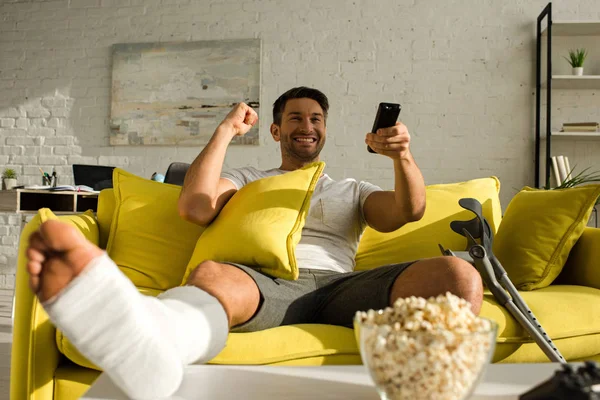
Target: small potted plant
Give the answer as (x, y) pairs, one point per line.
(576, 59)
(9, 178)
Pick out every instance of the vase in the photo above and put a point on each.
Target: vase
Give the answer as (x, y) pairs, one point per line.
(577, 71)
(10, 183)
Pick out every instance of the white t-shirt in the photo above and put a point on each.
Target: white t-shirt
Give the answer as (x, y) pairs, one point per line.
(335, 220)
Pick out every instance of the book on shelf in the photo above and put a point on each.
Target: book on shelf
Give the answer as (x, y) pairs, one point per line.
(568, 167)
(73, 188)
(557, 179)
(581, 124)
(562, 168)
(63, 188)
(581, 127)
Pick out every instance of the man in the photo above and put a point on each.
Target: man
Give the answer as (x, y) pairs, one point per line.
(139, 340)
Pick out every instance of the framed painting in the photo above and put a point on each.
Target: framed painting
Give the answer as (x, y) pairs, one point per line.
(176, 94)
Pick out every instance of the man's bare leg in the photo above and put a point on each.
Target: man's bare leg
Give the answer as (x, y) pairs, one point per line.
(438, 275)
(235, 289)
(137, 340)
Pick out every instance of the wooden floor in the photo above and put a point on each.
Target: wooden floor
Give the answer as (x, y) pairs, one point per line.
(6, 297)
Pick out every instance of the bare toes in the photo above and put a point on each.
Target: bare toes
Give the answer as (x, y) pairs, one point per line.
(35, 255)
(37, 242)
(34, 267)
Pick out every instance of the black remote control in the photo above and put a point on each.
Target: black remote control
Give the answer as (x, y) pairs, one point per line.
(387, 115)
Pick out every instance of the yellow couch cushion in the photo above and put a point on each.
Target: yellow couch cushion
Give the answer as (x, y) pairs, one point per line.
(576, 334)
(84, 222)
(539, 229)
(148, 239)
(71, 381)
(581, 267)
(567, 313)
(261, 224)
(287, 343)
(420, 239)
(310, 344)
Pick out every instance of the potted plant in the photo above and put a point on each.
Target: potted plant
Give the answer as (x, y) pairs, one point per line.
(9, 178)
(581, 178)
(576, 59)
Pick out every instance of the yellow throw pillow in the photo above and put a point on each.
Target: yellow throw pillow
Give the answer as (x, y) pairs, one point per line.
(148, 239)
(261, 224)
(84, 222)
(420, 239)
(539, 229)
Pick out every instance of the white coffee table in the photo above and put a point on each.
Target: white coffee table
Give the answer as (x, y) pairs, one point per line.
(216, 382)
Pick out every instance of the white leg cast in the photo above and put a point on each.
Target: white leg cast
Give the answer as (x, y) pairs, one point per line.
(141, 342)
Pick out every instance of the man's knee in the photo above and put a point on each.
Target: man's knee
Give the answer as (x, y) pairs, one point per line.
(223, 281)
(465, 281)
(206, 273)
(435, 276)
(234, 288)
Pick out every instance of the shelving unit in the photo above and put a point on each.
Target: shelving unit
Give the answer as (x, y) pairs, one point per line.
(574, 82)
(566, 82)
(575, 135)
(574, 28)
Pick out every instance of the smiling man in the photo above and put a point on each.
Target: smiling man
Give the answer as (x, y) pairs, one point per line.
(328, 290)
(143, 342)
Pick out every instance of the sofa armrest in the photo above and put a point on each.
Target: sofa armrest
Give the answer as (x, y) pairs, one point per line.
(106, 209)
(35, 356)
(583, 265)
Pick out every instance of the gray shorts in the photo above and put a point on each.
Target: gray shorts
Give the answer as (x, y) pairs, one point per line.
(319, 297)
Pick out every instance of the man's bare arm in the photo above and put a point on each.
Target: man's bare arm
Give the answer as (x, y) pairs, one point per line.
(388, 211)
(204, 192)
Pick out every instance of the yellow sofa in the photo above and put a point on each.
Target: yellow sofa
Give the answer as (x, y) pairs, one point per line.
(46, 366)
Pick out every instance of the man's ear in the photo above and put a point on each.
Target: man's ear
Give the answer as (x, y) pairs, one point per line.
(276, 132)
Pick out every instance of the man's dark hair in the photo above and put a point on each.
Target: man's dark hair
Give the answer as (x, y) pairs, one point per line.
(299, 93)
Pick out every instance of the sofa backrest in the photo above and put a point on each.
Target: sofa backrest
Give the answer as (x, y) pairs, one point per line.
(415, 240)
(420, 239)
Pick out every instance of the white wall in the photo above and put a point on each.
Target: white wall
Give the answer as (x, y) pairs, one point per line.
(462, 70)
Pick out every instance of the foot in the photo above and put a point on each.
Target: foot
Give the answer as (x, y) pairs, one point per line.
(57, 253)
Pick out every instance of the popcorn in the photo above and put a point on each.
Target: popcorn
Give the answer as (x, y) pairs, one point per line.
(425, 348)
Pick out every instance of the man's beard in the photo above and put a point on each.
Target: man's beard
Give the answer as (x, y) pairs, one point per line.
(304, 156)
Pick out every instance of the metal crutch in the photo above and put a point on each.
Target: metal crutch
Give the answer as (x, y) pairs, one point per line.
(495, 277)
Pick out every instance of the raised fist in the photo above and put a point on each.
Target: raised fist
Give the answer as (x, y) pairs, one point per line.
(241, 119)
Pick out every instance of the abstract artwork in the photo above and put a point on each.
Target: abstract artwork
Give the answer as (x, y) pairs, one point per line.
(176, 94)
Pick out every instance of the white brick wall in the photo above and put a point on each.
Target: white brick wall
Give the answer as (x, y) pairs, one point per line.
(463, 71)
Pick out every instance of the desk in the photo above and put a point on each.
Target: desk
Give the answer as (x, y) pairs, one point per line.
(29, 201)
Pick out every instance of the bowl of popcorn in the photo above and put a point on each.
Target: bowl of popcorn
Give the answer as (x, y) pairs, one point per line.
(434, 348)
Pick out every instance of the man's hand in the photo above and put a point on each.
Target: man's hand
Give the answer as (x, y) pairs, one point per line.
(240, 119)
(392, 142)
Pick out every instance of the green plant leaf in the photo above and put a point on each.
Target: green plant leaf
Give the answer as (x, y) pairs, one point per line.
(579, 179)
(9, 173)
(576, 57)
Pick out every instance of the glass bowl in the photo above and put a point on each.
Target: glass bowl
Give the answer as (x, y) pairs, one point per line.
(424, 365)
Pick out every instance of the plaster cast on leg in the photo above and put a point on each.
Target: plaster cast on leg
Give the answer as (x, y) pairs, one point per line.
(139, 341)
(198, 323)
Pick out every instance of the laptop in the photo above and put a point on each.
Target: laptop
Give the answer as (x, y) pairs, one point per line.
(97, 177)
